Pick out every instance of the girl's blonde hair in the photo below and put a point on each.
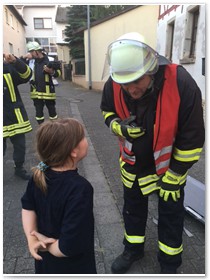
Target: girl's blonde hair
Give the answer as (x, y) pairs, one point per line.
(55, 141)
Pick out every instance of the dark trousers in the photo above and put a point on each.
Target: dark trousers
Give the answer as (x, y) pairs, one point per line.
(19, 145)
(39, 107)
(170, 223)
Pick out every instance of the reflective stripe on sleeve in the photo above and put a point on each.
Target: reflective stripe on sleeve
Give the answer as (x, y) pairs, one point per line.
(186, 156)
(107, 114)
(26, 74)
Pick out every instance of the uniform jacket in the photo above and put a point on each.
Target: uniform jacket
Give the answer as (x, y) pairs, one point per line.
(42, 86)
(15, 119)
(189, 138)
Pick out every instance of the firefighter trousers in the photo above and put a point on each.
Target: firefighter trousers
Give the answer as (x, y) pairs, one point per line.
(19, 145)
(39, 106)
(170, 224)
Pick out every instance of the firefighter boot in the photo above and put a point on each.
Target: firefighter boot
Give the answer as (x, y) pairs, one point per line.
(168, 270)
(21, 172)
(124, 261)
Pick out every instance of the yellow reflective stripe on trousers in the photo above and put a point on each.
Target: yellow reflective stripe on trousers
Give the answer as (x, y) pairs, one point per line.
(169, 250)
(134, 238)
(26, 74)
(53, 118)
(39, 118)
(43, 95)
(187, 156)
(10, 85)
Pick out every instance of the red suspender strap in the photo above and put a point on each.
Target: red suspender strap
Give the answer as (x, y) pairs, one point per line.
(166, 120)
(120, 106)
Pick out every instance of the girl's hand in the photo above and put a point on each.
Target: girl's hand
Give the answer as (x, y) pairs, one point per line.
(43, 238)
(38, 243)
(36, 246)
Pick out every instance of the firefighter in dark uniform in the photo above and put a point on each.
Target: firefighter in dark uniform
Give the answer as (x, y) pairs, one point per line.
(155, 109)
(15, 119)
(42, 87)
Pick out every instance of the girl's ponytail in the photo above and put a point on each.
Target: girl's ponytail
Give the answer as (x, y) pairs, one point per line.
(39, 176)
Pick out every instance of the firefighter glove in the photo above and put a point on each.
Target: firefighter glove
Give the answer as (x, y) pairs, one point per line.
(170, 186)
(127, 128)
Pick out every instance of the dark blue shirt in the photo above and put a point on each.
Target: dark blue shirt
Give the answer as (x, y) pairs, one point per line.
(64, 213)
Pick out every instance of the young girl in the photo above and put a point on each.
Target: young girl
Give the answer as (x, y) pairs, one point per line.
(57, 207)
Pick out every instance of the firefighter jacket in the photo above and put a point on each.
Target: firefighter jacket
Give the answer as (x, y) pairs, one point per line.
(42, 86)
(15, 119)
(172, 109)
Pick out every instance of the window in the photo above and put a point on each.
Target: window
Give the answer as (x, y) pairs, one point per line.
(194, 33)
(170, 39)
(11, 21)
(6, 16)
(63, 34)
(42, 23)
(189, 54)
(42, 41)
(47, 43)
(11, 50)
(17, 26)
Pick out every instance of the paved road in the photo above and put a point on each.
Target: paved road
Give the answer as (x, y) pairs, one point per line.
(101, 169)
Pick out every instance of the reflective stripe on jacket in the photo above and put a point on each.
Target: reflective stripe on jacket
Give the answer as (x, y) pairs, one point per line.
(15, 119)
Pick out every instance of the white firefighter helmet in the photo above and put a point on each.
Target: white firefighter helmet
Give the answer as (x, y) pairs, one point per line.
(129, 58)
(33, 46)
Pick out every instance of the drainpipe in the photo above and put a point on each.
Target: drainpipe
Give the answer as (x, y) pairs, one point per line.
(89, 50)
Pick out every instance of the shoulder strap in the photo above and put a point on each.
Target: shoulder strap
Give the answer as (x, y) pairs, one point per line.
(120, 106)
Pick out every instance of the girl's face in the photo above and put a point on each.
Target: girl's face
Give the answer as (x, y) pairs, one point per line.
(82, 149)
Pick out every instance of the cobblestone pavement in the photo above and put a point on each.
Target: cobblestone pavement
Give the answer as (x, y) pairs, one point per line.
(101, 169)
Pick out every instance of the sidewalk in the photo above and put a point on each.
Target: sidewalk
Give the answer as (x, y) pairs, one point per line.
(101, 169)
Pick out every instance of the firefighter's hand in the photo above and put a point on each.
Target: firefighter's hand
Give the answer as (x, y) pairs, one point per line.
(48, 70)
(9, 58)
(127, 128)
(169, 186)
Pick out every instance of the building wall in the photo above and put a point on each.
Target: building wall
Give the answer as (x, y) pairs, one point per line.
(143, 19)
(13, 34)
(29, 12)
(179, 16)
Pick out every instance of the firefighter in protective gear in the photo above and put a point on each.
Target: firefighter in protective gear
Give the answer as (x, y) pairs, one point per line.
(15, 119)
(156, 151)
(42, 87)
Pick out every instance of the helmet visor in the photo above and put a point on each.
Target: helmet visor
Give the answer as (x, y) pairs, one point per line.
(129, 60)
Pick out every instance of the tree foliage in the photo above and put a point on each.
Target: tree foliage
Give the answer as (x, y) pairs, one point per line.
(77, 18)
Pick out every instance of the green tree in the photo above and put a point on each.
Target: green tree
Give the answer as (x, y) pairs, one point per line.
(77, 16)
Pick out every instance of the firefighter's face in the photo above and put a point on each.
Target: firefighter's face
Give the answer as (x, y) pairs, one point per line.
(137, 88)
(34, 54)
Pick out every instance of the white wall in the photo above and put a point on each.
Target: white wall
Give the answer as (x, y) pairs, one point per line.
(142, 19)
(195, 69)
